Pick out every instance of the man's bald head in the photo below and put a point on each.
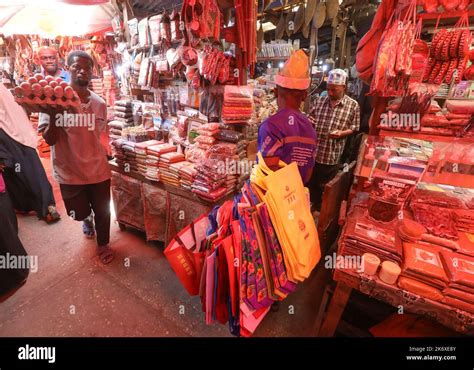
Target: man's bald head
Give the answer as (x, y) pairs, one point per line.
(48, 58)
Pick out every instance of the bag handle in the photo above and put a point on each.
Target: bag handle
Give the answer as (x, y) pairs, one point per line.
(263, 165)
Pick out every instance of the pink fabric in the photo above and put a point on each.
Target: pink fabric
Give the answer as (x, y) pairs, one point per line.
(2, 184)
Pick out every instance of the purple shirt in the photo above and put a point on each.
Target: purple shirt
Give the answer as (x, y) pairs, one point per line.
(289, 135)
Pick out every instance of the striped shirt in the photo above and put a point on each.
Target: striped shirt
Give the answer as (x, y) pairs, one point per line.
(345, 115)
(290, 136)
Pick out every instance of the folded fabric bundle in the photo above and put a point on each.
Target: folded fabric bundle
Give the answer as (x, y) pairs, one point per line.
(460, 269)
(126, 121)
(141, 147)
(459, 294)
(115, 132)
(119, 114)
(230, 136)
(172, 157)
(161, 149)
(116, 125)
(423, 263)
(462, 305)
(420, 288)
(361, 235)
(123, 103)
(212, 196)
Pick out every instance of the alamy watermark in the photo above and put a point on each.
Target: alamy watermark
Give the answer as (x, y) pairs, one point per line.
(76, 120)
(235, 167)
(344, 262)
(400, 120)
(10, 261)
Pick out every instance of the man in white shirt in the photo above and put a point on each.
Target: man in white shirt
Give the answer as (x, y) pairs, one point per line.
(80, 164)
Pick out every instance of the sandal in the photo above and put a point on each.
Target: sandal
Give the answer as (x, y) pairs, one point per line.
(52, 216)
(88, 229)
(106, 254)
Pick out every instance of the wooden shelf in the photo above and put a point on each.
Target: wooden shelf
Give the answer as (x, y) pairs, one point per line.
(270, 59)
(444, 15)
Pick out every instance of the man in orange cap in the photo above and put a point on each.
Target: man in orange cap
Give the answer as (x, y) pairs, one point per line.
(336, 117)
(288, 135)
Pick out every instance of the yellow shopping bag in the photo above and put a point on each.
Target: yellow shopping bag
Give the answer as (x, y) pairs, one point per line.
(286, 199)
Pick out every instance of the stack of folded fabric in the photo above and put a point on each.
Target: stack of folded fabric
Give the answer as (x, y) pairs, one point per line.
(422, 264)
(361, 235)
(460, 290)
(123, 112)
(210, 181)
(115, 129)
(168, 176)
(187, 175)
(118, 153)
(141, 154)
(238, 104)
(153, 153)
(130, 164)
(464, 220)
(207, 135)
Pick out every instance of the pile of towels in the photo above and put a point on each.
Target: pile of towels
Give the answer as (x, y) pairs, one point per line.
(238, 104)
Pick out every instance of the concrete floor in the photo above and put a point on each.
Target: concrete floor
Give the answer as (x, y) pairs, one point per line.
(73, 294)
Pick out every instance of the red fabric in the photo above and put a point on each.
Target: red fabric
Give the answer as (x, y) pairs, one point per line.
(368, 44)
(222, 296)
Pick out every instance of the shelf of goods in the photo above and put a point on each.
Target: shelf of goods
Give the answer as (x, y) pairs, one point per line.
(158, 209)
(410, 224)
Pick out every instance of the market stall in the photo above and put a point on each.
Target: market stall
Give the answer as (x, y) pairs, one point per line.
(408, 222)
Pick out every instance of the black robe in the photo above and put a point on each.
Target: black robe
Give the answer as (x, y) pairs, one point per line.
(29, 188)
(10, 245)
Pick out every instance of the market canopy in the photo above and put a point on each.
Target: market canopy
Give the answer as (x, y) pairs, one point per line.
(51, 18)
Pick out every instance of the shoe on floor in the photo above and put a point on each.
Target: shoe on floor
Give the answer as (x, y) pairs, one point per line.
(52, 216)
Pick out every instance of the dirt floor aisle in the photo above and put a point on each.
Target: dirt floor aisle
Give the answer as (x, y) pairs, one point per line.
(138, 294)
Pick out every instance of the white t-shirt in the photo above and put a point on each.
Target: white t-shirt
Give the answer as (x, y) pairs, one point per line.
(78, 156)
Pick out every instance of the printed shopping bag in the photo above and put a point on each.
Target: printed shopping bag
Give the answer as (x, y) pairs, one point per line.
(185, 265)
(283, 286)
(290, 214)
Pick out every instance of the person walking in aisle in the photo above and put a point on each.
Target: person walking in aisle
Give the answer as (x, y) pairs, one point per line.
(80, 163)
(288, 135)
(336, 117)
(24, 174)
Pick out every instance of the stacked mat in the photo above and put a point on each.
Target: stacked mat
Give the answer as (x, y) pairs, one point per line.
(361, 235)
(167, 175)
(141, 154)
(210, 180)
(422, 263)
(153, 153)
(187, 175)
(460, 271)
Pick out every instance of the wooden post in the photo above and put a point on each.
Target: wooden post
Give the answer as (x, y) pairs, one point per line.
(336, 308)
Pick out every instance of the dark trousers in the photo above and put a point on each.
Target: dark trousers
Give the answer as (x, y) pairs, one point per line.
(81, 199)
(25, 177)
(322, 174)
(10, 245)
